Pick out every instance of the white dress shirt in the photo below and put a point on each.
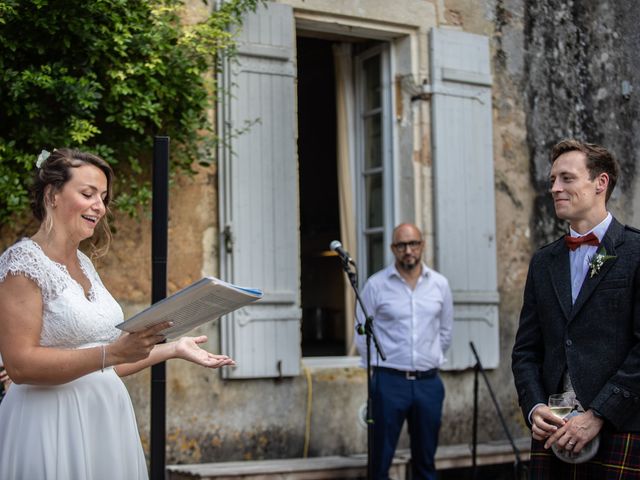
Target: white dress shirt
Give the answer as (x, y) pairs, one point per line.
(413, 326)
(581, 256)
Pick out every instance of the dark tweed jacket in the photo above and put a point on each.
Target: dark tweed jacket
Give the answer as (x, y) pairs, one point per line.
(597, 339)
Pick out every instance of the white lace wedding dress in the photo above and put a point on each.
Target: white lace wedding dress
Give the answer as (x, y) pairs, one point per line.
(84, 429)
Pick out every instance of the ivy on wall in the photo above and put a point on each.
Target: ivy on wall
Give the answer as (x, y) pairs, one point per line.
(105, 76)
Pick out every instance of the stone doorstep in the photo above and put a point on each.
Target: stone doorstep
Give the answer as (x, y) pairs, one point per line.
(316, 468)
(344, 467)
(488, 453)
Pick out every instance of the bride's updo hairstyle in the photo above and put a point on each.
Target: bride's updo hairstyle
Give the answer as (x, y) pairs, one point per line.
(54, 172)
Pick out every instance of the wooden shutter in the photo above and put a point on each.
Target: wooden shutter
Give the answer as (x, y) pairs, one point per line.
(259, 196)
(464, 190)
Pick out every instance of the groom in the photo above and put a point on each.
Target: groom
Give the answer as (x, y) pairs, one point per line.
(580, 325)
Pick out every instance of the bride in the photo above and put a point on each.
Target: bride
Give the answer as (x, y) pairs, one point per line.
(68, 415)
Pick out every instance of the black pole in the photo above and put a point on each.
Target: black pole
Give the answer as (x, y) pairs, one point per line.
(474, 448)
(366, 329)
(505, 428)
(370, 424)
(159, 241)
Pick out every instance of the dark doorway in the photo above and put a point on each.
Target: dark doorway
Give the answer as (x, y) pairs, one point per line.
(322, 279)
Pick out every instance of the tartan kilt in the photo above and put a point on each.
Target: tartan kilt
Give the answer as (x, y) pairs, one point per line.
(618, 458)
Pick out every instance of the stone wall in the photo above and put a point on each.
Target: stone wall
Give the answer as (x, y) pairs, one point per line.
(581, 81)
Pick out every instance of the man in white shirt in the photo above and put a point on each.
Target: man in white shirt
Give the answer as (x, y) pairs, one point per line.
(412, 310)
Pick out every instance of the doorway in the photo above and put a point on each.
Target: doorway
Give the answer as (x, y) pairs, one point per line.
(322, 278)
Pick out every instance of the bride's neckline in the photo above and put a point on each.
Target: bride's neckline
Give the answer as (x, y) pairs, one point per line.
(88, 294)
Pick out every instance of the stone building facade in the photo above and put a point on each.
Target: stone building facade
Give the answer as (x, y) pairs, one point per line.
(557, 69)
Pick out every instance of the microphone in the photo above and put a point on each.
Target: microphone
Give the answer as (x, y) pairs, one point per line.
(336, 246)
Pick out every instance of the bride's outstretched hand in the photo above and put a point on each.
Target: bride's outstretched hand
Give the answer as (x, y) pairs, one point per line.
(188, 348)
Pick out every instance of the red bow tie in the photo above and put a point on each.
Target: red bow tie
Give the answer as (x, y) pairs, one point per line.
(575, 242)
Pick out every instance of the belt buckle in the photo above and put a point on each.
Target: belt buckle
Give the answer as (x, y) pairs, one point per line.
(409, 375)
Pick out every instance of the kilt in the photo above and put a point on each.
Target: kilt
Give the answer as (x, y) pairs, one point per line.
(618, 458)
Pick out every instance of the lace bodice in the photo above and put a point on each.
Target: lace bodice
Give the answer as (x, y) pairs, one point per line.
(69, 318)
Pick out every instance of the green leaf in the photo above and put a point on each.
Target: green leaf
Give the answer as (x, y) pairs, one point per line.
(105, 76)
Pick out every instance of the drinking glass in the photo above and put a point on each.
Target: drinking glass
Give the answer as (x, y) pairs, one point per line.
(561, 404)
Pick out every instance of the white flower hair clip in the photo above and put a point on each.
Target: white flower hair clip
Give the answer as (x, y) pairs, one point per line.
(44, 154)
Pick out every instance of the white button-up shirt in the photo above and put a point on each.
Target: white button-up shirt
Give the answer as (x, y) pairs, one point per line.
(413, 326)
(581, 256)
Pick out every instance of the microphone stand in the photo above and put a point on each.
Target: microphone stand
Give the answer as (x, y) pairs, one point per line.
(366, 329)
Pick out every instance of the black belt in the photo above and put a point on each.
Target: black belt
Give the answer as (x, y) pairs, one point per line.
(415, 375)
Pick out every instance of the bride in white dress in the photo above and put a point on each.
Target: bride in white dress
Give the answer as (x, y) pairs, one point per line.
(68, 414)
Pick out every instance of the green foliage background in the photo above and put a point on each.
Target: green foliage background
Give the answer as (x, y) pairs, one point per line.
(105, 76)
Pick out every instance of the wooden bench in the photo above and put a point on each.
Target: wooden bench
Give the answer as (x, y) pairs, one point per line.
(344, 467)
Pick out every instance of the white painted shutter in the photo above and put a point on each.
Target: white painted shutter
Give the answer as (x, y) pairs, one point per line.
(464, 191)
(259, 196)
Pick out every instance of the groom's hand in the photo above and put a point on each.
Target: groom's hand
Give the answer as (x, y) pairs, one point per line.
(577, 432)
(544, 423)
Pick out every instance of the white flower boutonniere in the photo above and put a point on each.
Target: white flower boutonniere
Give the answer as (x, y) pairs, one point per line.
(598, 260)
(41, 158)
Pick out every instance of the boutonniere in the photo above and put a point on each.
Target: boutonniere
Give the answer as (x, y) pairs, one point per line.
(598, 260)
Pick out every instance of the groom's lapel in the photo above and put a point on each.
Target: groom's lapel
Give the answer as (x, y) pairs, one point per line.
(613, 238)
(560, 274)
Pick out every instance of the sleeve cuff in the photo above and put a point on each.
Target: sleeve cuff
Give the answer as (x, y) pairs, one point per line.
(531, 412)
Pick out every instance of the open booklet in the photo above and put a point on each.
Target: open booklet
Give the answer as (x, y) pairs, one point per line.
(207, 299)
